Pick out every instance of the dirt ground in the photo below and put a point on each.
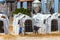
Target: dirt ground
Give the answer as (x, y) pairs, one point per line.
(11, 36)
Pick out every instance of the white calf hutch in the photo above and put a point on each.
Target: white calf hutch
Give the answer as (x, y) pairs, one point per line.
(59, 22)
(47, 23)
(4, 24)
(25, 21)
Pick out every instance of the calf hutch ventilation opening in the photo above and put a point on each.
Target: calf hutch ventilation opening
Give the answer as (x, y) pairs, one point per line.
(1, 27)
(28, 26)
(54, 25)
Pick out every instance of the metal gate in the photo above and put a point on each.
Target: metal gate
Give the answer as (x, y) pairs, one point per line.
(28, 26)
(1, 27)
(54, 25)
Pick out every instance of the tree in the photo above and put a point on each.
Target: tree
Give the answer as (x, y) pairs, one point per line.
(23, 11)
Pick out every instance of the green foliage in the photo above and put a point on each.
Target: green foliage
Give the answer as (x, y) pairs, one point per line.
(23, 11)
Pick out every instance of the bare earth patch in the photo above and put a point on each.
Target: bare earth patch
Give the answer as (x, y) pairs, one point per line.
(51, 36)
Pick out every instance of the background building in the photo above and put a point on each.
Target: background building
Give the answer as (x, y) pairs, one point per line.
(3, 7)
(24, 4)
(11, 4)
(54, 5)
(59, 6)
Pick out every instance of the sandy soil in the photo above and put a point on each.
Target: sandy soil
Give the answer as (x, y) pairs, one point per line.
(18, 37)
(51, 36)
